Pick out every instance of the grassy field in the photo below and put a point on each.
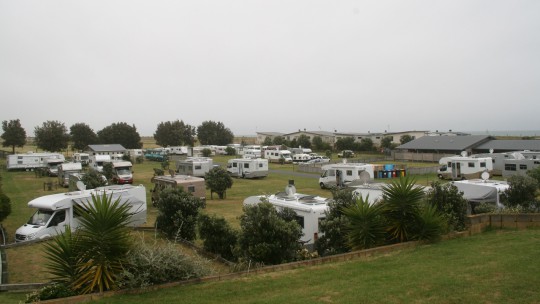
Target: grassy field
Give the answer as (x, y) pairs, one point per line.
(494, 267)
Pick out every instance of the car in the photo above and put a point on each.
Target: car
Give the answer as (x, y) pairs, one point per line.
(346, 154)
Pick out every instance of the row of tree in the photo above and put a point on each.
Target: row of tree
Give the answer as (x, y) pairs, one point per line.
(54, 136)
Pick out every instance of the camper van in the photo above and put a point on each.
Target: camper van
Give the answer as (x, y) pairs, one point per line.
(31, 161)
(248, 167)
(464, 167)
(191, 184)
(300, 158)
(52, 165)
(483, 190)
(55, 212)
(122, 172)
(194, 166)
(82, 158)
(345, 174)
(309, 209)
(65, 170)
(97, 161)
(278, 156)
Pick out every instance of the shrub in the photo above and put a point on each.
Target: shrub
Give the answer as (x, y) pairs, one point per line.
(5, 206)
(485, 208)
(450, 203)
(521, 193)
(151, 264)
(218, 180)
(178, 213)
(218, 236)
(93, 179)
(53, 291)
(366, 226)
(430, 224)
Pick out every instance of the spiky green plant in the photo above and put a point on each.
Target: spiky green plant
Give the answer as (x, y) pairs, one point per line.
(103, 243)
(431, 224)
(61, 254)
(366, 227)
(401, 203)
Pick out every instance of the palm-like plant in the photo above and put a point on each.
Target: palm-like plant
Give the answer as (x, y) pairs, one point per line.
(431, 224)
(366, 227)
(401, 206)
(61, 255)
(103, 243)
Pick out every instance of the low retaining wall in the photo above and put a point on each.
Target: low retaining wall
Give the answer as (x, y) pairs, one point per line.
(478, 223)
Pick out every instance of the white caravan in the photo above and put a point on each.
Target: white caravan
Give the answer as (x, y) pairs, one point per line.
(97, 161)
(31, 161)
(372, 192)
(82, 158)
(345, 174)
(248, 167)
(65, 170)
(55, 212)
(122, 173)
(194, 166)
(464, 167)
(478, 191)
(277, 156)
(252, 153)
(178, 150)
(309, 209)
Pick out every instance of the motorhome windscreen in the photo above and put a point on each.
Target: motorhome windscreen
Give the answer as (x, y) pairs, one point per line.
(123, 170)
(40, 218)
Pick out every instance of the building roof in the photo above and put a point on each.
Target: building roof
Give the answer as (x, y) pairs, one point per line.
(106, 148)
(510, 145)
(445, 143)
(270, 133)
(320, 133)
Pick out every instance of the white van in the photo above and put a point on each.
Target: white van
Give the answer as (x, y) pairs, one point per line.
(345, 174)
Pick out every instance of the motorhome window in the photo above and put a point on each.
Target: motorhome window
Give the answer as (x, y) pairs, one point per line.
(235, 165)
(198, 167)
(482, 165)
(58, 217)
(260, 165)
(332, 172)
(191, 189)
(19, 157)
(471, 165)
(510, 167)
(41, 217)
(300, 220)
(246, 166)
(522, 167)
(349, 172)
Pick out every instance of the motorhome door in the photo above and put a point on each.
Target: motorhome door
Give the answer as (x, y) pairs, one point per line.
(456, 170)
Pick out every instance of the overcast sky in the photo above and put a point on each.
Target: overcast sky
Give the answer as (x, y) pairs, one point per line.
(350, 66)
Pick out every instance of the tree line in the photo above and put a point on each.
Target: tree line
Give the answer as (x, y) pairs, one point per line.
(54, 136)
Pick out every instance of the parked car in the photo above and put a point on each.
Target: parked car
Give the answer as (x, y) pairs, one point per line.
(346, 154)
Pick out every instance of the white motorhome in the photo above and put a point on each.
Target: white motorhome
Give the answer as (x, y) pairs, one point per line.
(248, 167)
(519, 166)
(122, 173)
(31, 161)
(464, 167)
(252, 153)
(55, 212)
(498, 160)
(345, 174)
(278, 156)
(301, 158)
(52, 165)
(97, 161)
(478, 191)
(194, 166)
(82, 158)
(301, 150)
(178, 150)
(65, 170)
(135, 153)
(309, 209)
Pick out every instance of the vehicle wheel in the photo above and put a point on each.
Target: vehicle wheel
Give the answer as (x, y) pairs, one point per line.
(322, 185)
(243, 175)
(440, 176)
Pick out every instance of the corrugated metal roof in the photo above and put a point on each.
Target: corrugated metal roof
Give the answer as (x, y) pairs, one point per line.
(511, 145)
(107, 148)
(445, 143)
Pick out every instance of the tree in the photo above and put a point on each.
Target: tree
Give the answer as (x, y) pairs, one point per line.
(366, 144)
(206, 152)
(535, 173)
(266, 237)
(334, 239)
(82, 136)
(218, 236)
(401, 201)
(14, 135)
(346, 143)
(93, 179)
(267, 141)
(447, 199)
(366, 227)
(178, 213)
(92, 259)
(278, 140)
(214, 133)
(174, 133)
(5, 206)
(521, 194)
(218, 180)
(230, 151)
(304, 141)
(405, 139)
(319, 145)
(120, 133)
(386, 142)
(51, 136)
